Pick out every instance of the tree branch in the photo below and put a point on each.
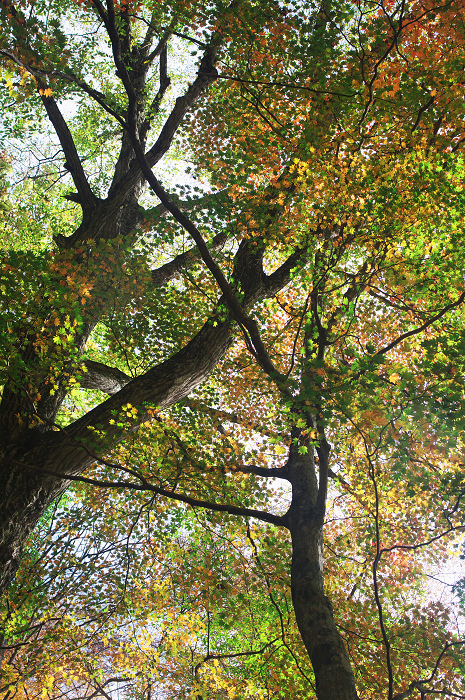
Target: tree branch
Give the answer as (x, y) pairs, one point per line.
(73, 162)
(246, 323)
(146, 486)
(166, 272)
(206, 75)
(101, 377)
(423, 327)
(98, 376)
(419, 685)
(162, 386)
(99, 97)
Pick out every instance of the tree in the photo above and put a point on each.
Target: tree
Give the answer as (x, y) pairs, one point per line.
(316, 312)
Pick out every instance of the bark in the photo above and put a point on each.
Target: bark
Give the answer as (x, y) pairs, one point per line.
(174, 267)
(313, 610)
(36, 464)
(98, 376)
(28, 472)
(33, 469)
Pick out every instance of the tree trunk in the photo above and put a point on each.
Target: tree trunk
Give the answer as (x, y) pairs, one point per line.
(31, 469)
(31, 466)
(314, 615)
(331, 665)
(24, 498)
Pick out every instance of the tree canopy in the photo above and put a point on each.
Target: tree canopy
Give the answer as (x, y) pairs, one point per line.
(232, 349)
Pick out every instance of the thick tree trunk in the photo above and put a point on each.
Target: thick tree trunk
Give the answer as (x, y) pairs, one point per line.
(30, 469)
(30, 466)
(314, 614)
(313, 611)
(24, 498)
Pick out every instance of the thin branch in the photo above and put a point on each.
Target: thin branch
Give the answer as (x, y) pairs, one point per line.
(419, 685)
(191, 39)
(277, 472)
(248, 326)
(273, 602)
(166, 272)
(451, 528)
(99, 97)
(377, 559)
(210, 657)
(291, 86)
(206, 75)
(423, 327)
(421, 111)
(146, 486)
(164, 84)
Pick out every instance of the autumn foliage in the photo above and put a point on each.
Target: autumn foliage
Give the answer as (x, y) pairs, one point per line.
(232, 350)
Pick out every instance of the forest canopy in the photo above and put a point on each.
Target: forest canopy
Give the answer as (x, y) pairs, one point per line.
(232, 348)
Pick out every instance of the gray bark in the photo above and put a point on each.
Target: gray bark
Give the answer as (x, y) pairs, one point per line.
(314, 614)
